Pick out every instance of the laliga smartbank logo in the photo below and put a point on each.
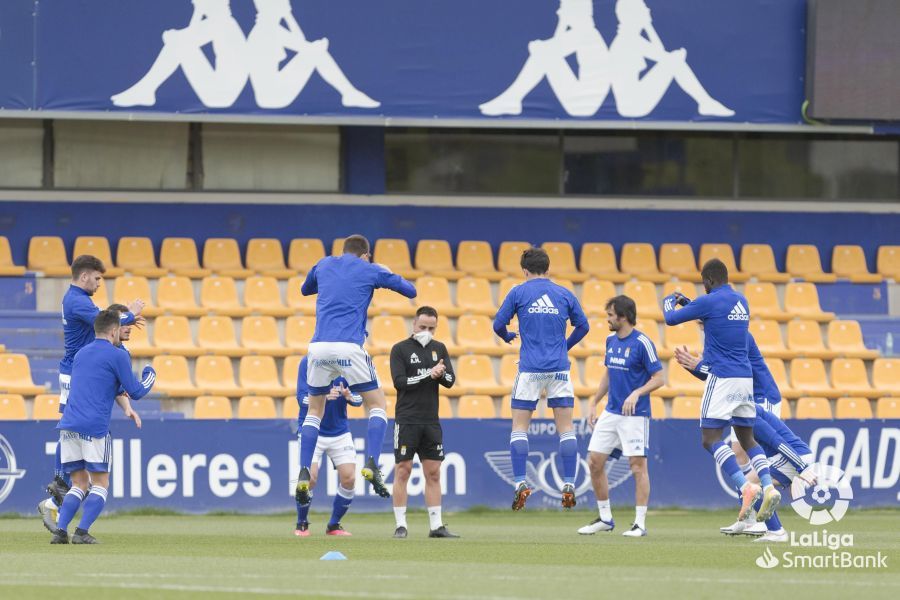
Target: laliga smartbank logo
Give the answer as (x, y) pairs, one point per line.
(821, 494)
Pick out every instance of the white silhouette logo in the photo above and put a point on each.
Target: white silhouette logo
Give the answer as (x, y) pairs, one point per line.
(11, 473)
(543, 305)
(824, 500)
(622, 67)
(414, 359)
(768, 560)
(739, 313)
(542, 474)
(260, 57)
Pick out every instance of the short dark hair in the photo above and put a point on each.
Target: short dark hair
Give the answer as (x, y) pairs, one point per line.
(535, 261)
(356, 244)
(427, 311)
(119, 308)
(623, 306)
(106, 320)
(85, 263)
(715, 272)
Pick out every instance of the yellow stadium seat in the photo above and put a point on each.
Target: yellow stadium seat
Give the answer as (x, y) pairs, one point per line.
(849, 378)
(657, 407)
(290, 370)
(724, 253)
(290, 408)
(581, 390)
(300, 304)
(139, 345)
(786, 410)
(758, 260)
(595, 293)
(849, 262)
(813, 407)
(476, 407)
(803, 261)
(298, 331)
(475, 375)
(435, 292)
(680, 382)
(506, 407)
(638, 260)
(99, 247)
(382, 365)
(564, 283)
(473, 294)
(173, 377)
(265, 256)
(805, 339)
(598, 260)
(595, 340)
(685, 334)
(15, 376)
(767, 334)
(808, 377)
(215, 376)
(683, 287)
(262, 296)
(444, 334)
(475, 335)
(304, 253)
(888, 408)
(594, 370)
(223, 257)
(179, 255)
(686, 407)
(389, 302)
(562, 261)
(506, 284)
(212, 407)
(763, 301)
(175, 296)
(886, 375)
(779, 374)
(218, 295)
(258, 375)
(337, 246)
(256, 407)
(129, 288)
(216, 335)
(7, 267)
(172, 335)
(384, 332)
(12, 407)
(394, 254)
(260, 335)
(476, 259)
(651, 328)
(47, 254)
(802, 300)
(845, 338)
(46, 407)
(509, 368)
(678, 260)
(853, 408)
(101, 296)
(644, 295)
(435, 259)
(889, 262)
(509, 258)
(135, 255)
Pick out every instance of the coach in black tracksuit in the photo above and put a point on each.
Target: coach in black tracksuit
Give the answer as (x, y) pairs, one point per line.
(419, 365)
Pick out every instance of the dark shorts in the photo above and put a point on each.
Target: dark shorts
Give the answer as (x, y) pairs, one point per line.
(425, 440)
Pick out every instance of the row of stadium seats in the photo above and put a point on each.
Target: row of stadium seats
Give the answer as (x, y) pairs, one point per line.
(13, 407)
(265, 256)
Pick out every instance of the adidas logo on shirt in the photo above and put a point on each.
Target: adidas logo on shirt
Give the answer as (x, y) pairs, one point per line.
(739, 313)
(543, 305)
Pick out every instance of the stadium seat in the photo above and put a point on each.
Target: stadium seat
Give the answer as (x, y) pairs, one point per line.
(476, 259)
(509, 258)
(394, 254)
(853, 408)
(680, 382)
(262, 296)
(849, 378)
(803, 261)
(594, 370)
(435, 259)
(473, 295)
(598, 260)
(475, 407)
(679, 260)
(15, 376)
(219, 296)
(475, 375)
(304, 253)
(685, 334)
(265, 257)
(683, 287)
(46, 407)
(444, 334)
(300, 304)
(172, 335)
(139, 344)
(763, 300)
(223, 257)
(786, 410)
(384, 332)
(129, 288)
(101, 295)
(595, 293)
(298, 331)
(564, 283)
(758, 260)
(562, 261)
(813, 407)
(47, 254)
(290, 370)
(686, 407)
(475, 335)
(845, 338)
(805, 339)
(99, 247)
(657, 407)
(767, 334)
(290, 408)
(888, 408)
(260, 335)
(382, 364)
(389, 302)
(216, 335)
(644, 295)
(779, 374)
(651, 328)
(849, 262)
(12, 407)
(175, 296)
(595, 340)
(435, 292)
(212, 407)
(506, 284)
(135, 255)
(215, 376)
(7, 267)
(509, 368)
(173, 377)
(337, 246)
(256, 407)
(886, 375)
(724, 253)
(638, 260)
(802, 300)
(808, 377)
(506, 407)
(581, 390)
(889, 262)
(179, 255)
(258, 375)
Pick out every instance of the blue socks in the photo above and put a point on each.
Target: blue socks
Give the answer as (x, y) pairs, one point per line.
(93, 506)
(375, 433)
(342, 501)
(69, 507)
(309, 435)
(302, 513)
(518, 450)
(773, 523)
(728, 463)
(568, 450)
(760, 464)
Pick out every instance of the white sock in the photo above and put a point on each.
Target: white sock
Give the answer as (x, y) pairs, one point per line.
(400, 515)
(605, 510)
(640, 516)
(434, 517)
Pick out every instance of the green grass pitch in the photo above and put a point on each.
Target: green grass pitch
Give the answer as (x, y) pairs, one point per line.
(503, 555)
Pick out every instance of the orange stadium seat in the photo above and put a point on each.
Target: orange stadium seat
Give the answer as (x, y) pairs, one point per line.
(290, 370)
(888, 408)
(581, 390)
(848, 376)
(849, 262)
(595, 293)
(724, 253)
(786, 410)
(135, 255)
(686, 334)
(805, 339)
(475, 375)
(599, 260)
(129, 288)
(562, 261)
(802, 300)
(46, 407)
(853, 408)
(259, 375)
(265, 256)
(638, 260)
(763, 300)
(767, 334)
(808, 377)
(435, 259)
(680, 382)
(7, 267)
(298, 331)
(509, 258)
(138, 343)
(382, 364)
(594, 370)
(435, 292)
(179, 255)
(173, 376)
(212, 407)
(758, 260)
(260, 335)
(256, 407)
(813, 407)
(290, 408)
(595, 340)
(394, 254)
(475, 335)
(101, 296)
(509, 368)
(216, 335)
(886, 375)
(172, 335)
(300, 304)
(779, 374)
(385, 331)
(215, 376)
(47, 254)
(444, 334)
(683, 287)
(175, 296)
(803, 261)
(476, 407)
(686, 407)
(845, 338)
(889, 262)
(389, 302)
(473, 295)
(223, 257)
(12, 407)
(476, 259)
(678, 260)
(304, 253)
(657, 407)
(644, 295)
(219, 296)
(263, 296)
(15, 376)
(99, 247)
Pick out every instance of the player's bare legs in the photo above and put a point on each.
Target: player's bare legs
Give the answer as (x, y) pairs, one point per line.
(568, 449)
(597, 464)
(518, 442)
(376, 404)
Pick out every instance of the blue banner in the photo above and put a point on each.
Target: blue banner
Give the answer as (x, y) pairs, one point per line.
(686, 60)
(199, 466)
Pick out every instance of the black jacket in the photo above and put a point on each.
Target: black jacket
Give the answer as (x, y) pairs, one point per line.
(411, 364)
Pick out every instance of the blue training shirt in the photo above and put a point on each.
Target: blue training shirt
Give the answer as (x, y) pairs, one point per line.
(98, 372)
(543, 308)
(630, 361)
(764, 386)
(345, 285)
(78, 314)
(777, 438)
(726, 318)
(334, 421)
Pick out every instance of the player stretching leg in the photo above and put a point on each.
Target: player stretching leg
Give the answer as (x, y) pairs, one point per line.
(542, 308)
(345, 285)
(632, 372)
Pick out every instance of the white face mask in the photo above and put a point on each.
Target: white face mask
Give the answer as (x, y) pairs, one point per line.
(423, 337)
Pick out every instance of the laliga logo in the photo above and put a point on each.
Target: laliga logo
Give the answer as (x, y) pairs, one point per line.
(542, 473)
(821, 494)
(10, 474)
